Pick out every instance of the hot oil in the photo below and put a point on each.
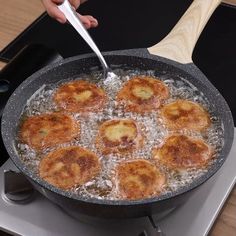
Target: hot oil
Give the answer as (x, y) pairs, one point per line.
(151, 126)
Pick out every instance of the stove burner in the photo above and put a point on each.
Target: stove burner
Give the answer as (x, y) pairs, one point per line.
(195, 217)
(92, 220)
(17, 189)
(117, 223)
(157, 227)
(144, 233)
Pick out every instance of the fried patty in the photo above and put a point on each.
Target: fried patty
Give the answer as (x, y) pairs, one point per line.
(183, 114)
(182, 152)
(80, 96)
(139, 179)
(69, 167)
(47, 130)
(119, 136)
(142, 94)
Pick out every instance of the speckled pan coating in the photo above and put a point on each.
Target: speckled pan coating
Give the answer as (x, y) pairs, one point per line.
(137, 58)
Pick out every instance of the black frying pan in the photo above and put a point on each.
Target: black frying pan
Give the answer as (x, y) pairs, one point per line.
(171, 55)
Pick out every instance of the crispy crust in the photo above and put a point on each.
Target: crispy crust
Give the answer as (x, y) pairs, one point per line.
(139, 179)
(69, 167)
(183, 114)
(142, 94)
(80, 96)
(47, 130)
(182, 152)
(119, 136)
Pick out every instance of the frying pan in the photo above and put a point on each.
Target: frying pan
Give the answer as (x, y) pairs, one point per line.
(172, 56)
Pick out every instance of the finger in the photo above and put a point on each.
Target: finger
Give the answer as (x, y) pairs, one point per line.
(88, 21)
(93, 21)
(85, 21)
(53, 11)
(57, 1)
(82, 1)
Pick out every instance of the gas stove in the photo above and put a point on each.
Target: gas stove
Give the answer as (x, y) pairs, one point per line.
(39, 216)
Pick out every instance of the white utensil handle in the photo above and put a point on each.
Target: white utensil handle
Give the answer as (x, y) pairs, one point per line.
(74, 20)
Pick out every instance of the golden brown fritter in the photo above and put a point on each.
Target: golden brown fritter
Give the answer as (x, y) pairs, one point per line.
(47, 130)
(142, 94)
(139, 179)
(69, 167)
(119, 136)
(182, 152)
(80, 96)
(183, 114)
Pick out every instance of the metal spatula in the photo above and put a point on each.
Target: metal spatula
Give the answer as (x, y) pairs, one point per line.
(74, 20)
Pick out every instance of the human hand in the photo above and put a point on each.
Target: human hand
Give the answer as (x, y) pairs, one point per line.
(54, 12)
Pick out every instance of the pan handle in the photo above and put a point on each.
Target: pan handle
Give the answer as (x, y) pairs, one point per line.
(178, 45)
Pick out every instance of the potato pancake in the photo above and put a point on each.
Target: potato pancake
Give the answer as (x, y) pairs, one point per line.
(182, 152)
(142, 94)
(119, 136)
(183, 114)
(47, 130)
(139, 179)
(69, 167)
(80, 96)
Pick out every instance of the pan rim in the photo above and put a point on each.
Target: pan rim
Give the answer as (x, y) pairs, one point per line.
(143, 54)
